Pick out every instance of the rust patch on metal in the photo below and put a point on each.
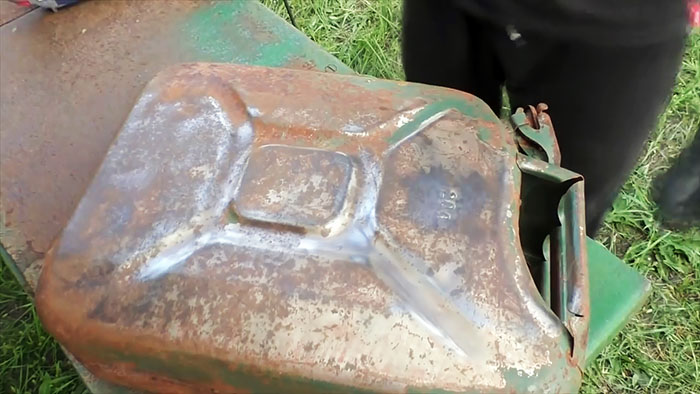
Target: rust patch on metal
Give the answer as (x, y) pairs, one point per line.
(293, 186)
(302, 64)
(538, 118)
(535, 133)
(417, 282)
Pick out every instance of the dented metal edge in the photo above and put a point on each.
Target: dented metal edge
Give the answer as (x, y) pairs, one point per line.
(565, 250)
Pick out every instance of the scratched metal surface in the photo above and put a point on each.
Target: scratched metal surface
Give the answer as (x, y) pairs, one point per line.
(10, 11)
(70, 78)
(196, 259)
(565, 245)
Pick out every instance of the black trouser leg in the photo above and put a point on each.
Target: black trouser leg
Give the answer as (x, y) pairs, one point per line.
(604, 101)
(678, 190)
(442, 46)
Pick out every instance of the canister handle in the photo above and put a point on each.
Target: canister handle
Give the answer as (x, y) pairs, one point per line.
(565, 246)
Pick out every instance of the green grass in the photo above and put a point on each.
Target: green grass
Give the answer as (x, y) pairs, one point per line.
(658, 351)
(30, 360)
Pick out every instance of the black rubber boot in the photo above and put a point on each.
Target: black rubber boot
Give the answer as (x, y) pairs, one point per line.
(678, 191)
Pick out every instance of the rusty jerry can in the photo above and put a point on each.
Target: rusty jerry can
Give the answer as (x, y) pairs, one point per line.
(257, 229)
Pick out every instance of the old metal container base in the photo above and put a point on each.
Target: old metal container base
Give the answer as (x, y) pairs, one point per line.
(256, 229)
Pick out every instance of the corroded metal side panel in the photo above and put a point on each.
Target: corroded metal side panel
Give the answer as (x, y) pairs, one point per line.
(70, 78)
(193, 262)
(565, 248)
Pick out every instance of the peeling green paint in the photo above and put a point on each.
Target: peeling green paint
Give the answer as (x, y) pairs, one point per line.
(476, 109)
(206, 371)
(521, 382)
(248, 33)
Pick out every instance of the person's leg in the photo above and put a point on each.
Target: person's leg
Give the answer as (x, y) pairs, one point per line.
(604, 102)
(443, 46)
(678, 190)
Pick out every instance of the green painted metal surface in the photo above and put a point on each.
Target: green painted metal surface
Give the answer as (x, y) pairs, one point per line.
(247, 32)
(617, 292)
